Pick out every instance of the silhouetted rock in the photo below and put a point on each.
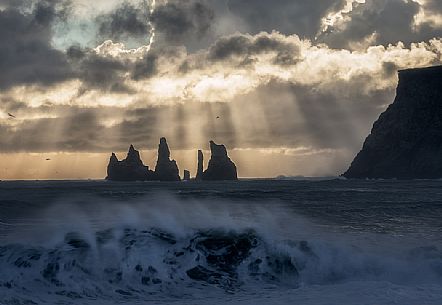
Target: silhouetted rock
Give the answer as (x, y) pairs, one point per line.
(132, 168)
(200, 170)
(220, 166)
(186, 175)
(166, 169)
(129, 169)
(406, 141)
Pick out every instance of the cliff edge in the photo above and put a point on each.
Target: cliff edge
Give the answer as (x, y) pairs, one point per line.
(406, 140)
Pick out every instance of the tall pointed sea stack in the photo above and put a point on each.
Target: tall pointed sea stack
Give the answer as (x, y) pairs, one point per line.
(129, 169)
(406, 141)
(220, 166)
(200, 170)
(166, 169)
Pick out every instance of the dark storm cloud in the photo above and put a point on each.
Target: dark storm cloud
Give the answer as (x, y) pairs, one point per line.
(246, 46)
(109, 74)
(174, 21)
(390, 21)
(13, 3)
(177, 20)
(97, 72)
(301, 17)
(26, 54)
(145, 67)
(103, 73)
(124, 22)
(434, 6)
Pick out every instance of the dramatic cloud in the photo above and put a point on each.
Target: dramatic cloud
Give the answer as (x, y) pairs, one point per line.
(297, 79)
(26, 53)
(246, 47)
(98, 72)
(179, 20)
(324, 99)
(377, 22)
(172, 22)
(434, 6)
(301, 17)
(126, 21)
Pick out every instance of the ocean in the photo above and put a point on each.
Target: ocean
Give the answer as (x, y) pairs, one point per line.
(319, 241)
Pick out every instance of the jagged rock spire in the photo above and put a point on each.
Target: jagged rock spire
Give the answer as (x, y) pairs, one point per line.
(113, 159)
(133, 156)
(166, 169)
(200, 170)
(163, 151)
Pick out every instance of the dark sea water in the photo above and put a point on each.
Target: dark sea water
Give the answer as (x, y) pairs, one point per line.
(251, 242)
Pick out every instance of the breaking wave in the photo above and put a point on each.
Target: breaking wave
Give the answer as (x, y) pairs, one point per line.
(168, 250)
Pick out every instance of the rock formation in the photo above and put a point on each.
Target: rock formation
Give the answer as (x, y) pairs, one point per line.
(200, 170)
(129, 169)
(132, 168)
(166, 169)
(220, 166)
(186, 175)
(406, 141)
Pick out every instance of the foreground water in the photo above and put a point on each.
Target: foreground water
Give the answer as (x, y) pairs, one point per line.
(251, 242)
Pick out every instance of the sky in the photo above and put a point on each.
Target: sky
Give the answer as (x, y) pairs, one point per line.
(291, 87)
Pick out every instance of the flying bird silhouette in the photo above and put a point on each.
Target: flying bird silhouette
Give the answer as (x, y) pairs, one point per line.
(11, 115)
(217, 117)
(48, 159)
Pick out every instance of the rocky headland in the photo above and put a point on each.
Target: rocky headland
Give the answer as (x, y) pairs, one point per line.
(406, 140)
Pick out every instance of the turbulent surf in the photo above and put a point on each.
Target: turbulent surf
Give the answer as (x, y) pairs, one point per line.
(260, 242)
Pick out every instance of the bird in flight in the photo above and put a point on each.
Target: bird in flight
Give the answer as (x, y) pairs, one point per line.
(11, 115)
(48, 159)
(217, 117)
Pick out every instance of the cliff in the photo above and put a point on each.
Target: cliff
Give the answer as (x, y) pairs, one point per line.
(220, 166)
(406, 140)
(129, 169)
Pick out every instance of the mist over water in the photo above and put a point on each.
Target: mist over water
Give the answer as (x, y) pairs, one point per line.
(252, 242)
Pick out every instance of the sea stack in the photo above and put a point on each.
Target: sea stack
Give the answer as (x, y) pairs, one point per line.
(129, 169)
(220, 166)
(186, 175)
(406, 140)
(166, 169)
(200, 170)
